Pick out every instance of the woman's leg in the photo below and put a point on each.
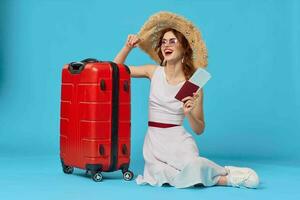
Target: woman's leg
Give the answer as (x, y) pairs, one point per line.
(239, 177)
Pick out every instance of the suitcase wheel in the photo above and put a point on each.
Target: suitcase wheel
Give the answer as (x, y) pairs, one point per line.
(68, 169)
(97, 176)
(128, 176)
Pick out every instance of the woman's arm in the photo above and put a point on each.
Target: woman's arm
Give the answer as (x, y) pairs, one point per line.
(144, 71)
(131, 42)
(122, 55)
(193, 110)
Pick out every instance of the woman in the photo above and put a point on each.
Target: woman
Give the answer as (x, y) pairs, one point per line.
(170, 152)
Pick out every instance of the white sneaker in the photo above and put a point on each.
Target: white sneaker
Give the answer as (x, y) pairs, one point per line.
(241, 177)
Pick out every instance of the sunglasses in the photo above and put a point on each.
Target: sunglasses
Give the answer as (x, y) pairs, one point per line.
(172, 42)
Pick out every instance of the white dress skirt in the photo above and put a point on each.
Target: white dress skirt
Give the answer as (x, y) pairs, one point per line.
(171, 154)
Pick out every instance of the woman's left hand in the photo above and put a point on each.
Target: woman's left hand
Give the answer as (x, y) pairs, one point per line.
(189, 103)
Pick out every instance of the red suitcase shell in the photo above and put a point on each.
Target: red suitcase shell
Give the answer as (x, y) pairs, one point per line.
(95, 118)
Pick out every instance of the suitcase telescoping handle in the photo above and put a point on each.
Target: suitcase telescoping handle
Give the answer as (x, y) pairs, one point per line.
(77, 67)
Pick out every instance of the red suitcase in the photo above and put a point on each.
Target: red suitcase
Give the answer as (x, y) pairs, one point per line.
(95, 118)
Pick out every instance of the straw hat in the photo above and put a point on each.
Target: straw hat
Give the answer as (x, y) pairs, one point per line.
(151, 32)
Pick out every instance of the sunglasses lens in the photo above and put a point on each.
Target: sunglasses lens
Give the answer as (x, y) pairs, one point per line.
(171, 42)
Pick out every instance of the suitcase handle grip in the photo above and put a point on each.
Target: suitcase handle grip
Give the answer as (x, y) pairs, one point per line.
(76, 67)
(90, 60)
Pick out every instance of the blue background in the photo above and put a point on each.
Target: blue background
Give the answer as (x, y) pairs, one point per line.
(251, 104)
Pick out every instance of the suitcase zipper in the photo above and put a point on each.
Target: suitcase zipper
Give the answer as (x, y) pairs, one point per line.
(115, 116)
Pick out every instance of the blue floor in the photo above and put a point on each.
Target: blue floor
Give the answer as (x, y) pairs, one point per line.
(42, 178)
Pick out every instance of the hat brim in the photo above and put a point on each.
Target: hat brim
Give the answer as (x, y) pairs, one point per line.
(151, 32)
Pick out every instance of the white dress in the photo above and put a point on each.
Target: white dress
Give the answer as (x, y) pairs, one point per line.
(171, 154)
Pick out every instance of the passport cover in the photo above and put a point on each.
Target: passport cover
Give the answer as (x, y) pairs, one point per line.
(198, 80)
(187, 89)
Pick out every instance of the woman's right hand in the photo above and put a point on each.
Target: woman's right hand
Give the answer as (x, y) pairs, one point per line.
(132, 41)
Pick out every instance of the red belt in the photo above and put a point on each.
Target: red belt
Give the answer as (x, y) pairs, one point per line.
(161, 125)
